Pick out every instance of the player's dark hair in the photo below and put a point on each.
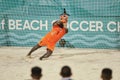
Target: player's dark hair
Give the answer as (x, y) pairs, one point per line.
(106, 73)
(36, 72)
(66, 71)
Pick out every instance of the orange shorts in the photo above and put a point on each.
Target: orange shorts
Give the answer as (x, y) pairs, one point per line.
(49, 45)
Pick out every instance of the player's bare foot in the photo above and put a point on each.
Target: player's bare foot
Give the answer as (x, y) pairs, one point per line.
(28, 56)
(41, 58)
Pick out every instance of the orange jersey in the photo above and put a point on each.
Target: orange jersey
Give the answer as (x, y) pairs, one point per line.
(52, 37)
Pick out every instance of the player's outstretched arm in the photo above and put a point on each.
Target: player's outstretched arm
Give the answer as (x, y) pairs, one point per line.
(64, 19)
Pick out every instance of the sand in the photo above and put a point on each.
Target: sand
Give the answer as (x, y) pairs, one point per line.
(86, 64)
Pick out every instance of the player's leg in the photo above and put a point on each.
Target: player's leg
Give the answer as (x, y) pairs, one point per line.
(47, 54)
(33, 49)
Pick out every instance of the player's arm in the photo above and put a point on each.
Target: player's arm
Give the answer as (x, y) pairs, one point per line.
(64, 19)
(58, 23)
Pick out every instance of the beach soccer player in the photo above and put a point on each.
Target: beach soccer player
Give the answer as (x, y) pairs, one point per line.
(59, 29)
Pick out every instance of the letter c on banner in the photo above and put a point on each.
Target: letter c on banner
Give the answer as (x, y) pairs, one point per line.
(71, 25)
(81, 27)
(108, 26)
(34, 21)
